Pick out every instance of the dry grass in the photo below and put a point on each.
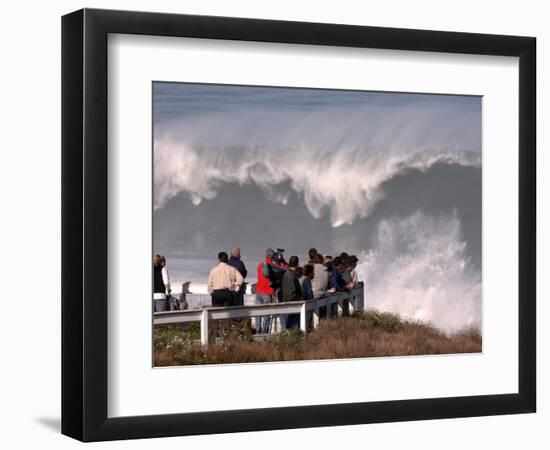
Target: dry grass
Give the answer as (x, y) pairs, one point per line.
(367, 334)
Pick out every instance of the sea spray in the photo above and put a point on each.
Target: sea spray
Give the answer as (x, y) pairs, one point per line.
(418, 268)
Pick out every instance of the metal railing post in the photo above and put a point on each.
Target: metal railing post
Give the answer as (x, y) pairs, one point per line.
(340, 305)
(303, 318)
(316, 315)
(204, 327)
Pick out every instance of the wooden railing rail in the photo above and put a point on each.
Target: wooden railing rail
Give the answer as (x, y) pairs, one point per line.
(353, 298)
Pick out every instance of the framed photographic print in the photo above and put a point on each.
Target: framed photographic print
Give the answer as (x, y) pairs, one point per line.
(273, 224)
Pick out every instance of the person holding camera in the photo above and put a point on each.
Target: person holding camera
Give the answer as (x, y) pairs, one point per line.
(264, 292)
(270, 275)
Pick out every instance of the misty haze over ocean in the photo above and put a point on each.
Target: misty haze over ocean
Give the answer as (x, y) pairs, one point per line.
(393, 178)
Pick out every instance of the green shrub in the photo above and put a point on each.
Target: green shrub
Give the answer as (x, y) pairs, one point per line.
(239, 330)
(386, 321)
(175, 336)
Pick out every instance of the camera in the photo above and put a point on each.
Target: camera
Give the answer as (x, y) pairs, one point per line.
(276, 270)
(278, 257)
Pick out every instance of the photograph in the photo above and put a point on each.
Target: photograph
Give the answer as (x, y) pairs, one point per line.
(335, 212)
(311, 224)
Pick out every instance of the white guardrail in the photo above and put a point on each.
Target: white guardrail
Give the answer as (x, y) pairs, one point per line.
(354, 300)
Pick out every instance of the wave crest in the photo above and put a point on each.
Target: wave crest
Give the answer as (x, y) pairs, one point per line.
(346, 183)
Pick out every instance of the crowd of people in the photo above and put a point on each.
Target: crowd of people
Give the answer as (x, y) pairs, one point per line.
(278, 280)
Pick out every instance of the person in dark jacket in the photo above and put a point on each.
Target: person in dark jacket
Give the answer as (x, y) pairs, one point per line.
(291, 291)
(161, 284)
(305, 282)
(235, 261)
(337, 281)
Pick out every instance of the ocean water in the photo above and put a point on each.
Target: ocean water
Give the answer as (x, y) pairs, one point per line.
(394, 179)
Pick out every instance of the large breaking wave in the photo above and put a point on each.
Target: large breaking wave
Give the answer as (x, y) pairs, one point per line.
(338, 167)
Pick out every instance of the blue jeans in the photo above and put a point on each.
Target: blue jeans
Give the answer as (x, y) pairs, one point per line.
(263, 323)
(280, 321)
(159, 305)
(293, 322)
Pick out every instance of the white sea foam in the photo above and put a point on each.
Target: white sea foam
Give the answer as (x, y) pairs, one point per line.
(418, 268)
(336, 158)
(346, 182)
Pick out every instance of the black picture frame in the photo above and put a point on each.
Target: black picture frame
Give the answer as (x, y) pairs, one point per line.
(84, 224)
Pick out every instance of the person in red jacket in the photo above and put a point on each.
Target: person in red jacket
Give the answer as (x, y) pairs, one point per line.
(270, 273)
(264, 292)
(263, 286)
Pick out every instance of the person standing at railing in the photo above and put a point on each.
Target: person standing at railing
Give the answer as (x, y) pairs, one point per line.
(223, 281)
(306, 286)
(312, 253)
(305, 282)
(264, 292)
(337, 282)
(235, 261)
(291, 292)
(319, 283)
(354, 282)
(161, 284)
(345, 271)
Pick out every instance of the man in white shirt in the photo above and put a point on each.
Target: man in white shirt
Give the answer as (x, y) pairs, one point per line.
(319, 283)
(223, 281)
